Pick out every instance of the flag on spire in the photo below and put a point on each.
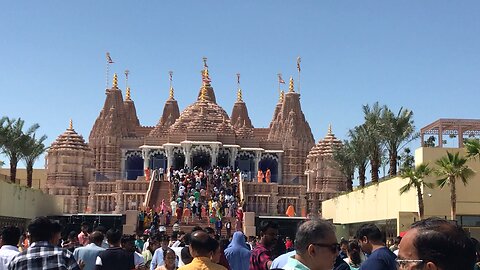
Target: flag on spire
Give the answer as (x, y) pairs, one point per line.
(109, 59)
(298, 63)
(280, 80)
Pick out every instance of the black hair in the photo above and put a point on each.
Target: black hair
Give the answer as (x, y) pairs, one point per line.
(10, 235)
(264, 225)
(167, 251)
(114, 236)
(127, 238)
(101, 229)
(371, 231)
(208, 230)
(56, 227)
(72, 235)
(343, 242)
(186, 256)
(353, 250)
(444, 243)
(476, 244)
(312, 231)
(96, 237)
(40, 229)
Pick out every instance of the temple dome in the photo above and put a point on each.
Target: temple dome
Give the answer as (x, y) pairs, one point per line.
(70, 139)
(203, 116)
(326, 146)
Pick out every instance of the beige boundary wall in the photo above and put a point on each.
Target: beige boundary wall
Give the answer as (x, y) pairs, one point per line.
(22, 202)
(383, 201)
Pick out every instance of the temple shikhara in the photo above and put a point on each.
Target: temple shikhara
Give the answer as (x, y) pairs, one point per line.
(109, 173)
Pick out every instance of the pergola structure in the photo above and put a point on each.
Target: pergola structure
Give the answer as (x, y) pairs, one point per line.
(456, 127)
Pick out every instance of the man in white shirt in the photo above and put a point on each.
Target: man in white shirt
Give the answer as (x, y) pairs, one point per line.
(10, 236)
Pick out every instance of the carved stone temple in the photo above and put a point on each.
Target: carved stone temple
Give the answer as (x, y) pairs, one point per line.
(107, 174)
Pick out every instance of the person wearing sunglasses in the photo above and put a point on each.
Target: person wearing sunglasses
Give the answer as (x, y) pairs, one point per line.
(370, 239)
(316, 246)
(436, 244)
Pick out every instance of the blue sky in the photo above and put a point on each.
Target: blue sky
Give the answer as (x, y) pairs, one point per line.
(422, 55)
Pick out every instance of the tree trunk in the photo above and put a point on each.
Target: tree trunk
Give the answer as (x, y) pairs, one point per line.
(421, 207)
(453, 198)
(393, 163)
(374, 165)
(29, 174)
(361, 176)
(350, 183)
(13, 168)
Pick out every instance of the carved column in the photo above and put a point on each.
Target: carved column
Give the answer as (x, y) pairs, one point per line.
(214, 153)
(258, 155)
(146, 158)
(170, 155)
(123, 164)
(279, 168)
(119, 200)
(187, 151)
(233, 156)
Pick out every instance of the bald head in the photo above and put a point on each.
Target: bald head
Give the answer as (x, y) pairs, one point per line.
(202, 244)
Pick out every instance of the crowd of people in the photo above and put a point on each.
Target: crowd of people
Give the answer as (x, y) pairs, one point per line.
(205, 195)
(432, 243)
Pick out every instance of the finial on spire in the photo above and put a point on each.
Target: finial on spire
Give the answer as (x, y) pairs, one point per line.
(70, 127)
(205, 76)
(329, 129)
(291, 88)
(126, 77)
(171, 92)
(127, 93)
(203, 94)
(115, 80)
(282, 96)
(239, 95)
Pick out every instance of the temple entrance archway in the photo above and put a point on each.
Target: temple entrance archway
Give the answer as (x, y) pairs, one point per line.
(269, 162)
(133, 165)
(158, 160)
(245, 162)
(178, 161)
(223, 159)
(201, 159)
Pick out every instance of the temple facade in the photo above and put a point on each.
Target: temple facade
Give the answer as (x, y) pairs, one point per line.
(110, 170)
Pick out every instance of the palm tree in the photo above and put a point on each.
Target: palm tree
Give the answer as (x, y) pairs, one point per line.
(360, 153)
(398, 130)
(415, 178)
(450, 168)
(472, 147)
(14, 141)
(343, 156)
(32, 149)
(372, 131)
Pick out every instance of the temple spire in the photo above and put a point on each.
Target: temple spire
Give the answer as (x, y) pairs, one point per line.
(282, 96)
(291, 88)
(70, 127)
(329, 129)
(115, 80)
(127, 93)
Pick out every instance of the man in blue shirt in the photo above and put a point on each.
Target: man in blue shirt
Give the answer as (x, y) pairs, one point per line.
(379, 257)
(88, 254)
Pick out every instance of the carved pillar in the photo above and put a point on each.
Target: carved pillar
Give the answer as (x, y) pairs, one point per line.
(233, 156)
(170, 156)
(146, 158)
(258, 155)
(119, 200)
(214, 153)
(123, 164)
(187, 151)
(280, 165)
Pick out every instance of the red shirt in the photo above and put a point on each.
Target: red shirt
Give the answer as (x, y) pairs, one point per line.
(83, 239)
(260, 256)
